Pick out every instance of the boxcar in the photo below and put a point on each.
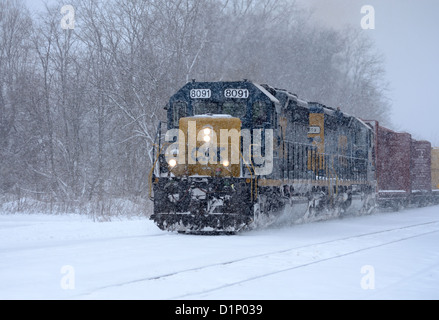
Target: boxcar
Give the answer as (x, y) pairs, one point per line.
(393, 166)
(420, 172)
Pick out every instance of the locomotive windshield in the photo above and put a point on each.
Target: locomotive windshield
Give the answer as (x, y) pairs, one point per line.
(259, 113)
(205, 107)
(179, 111)
(235, 109)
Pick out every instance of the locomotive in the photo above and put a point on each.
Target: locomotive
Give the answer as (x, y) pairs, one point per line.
(240, 155)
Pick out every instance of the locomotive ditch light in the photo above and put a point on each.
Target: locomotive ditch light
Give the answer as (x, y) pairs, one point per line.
(226, 163)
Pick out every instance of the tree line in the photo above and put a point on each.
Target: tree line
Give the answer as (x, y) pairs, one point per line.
(79, 107)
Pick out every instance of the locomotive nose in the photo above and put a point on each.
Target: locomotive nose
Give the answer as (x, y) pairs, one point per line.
(212, 145)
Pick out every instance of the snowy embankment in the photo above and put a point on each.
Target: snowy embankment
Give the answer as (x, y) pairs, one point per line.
(383, 256)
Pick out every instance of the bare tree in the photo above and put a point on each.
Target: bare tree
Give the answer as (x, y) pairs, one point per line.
(361, 79)
(15, 24)
(79, 108)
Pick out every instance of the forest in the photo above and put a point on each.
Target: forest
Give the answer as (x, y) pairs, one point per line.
(79, 107)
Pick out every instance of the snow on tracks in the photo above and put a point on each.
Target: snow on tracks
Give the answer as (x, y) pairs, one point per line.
(198, 282)
(135, 260)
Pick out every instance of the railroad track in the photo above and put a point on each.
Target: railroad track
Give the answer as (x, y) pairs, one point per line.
(65, 243)
(234, 272)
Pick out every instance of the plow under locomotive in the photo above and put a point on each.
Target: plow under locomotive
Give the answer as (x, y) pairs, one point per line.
(238, 155)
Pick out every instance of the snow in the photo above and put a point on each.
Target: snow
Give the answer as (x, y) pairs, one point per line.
(268, 94)
(383, 256)
(212, 116)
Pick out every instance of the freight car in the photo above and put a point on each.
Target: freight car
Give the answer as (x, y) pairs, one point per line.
(238, 155)
(435, 175)
(420, 173)
(392, 162)
(407, 170)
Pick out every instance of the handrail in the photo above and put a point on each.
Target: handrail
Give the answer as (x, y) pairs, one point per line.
(251, 181)
(152, 170)
(251, 162)
(334, 174)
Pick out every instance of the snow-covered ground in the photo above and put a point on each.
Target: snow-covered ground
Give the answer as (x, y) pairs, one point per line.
(383, 256)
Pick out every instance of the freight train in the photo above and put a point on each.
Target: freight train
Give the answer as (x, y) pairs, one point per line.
(240, 155)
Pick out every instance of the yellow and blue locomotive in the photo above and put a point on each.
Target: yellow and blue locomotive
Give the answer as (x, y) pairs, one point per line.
(238, 155)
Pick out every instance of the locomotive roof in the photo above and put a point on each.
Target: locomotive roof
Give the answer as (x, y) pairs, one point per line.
(266, 92)
(280, 97)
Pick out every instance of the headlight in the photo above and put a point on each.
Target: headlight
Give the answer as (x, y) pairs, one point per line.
(207, 135)
(172, 163)
(226, 163)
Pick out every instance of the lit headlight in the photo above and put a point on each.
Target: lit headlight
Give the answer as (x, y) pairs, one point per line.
(226, 163)
(172, 163)
(207, 134)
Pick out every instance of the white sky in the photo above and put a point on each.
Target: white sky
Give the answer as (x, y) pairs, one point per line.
(407, 33)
